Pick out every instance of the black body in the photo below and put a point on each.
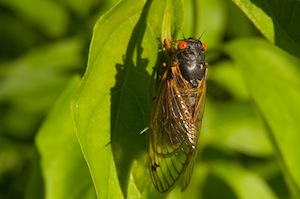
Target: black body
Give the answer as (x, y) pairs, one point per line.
(191, 61)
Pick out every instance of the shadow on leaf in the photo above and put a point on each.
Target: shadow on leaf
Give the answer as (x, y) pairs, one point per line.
(130, 111)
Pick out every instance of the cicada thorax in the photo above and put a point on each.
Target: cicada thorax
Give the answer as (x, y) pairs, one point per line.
(177, 115)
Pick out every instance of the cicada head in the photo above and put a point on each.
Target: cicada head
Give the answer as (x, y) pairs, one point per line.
(191, 59)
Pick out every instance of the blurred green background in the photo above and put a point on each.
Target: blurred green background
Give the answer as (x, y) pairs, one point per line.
(43, 44)
(248, 146)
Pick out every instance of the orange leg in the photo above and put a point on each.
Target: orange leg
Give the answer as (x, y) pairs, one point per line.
(168, 46)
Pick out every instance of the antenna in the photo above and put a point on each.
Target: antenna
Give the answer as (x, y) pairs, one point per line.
(202, 33)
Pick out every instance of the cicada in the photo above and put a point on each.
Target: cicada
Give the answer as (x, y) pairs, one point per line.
(177, 115)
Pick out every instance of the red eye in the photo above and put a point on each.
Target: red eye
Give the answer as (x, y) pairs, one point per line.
(204, 46)
(182, 45)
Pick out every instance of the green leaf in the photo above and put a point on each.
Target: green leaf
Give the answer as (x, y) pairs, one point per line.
(31, 83)
(246, 184)
(278, 21)
(205, 18)
(42, 68)
(272, 77)
(228, 77)
(35, 185)
(48, 16)
(62, 160)
(112, 104)
(239, 25)
(236, 126)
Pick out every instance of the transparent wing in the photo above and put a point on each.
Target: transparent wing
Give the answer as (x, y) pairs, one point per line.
(173, 132)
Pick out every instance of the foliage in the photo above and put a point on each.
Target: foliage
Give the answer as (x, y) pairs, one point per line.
(88, 143)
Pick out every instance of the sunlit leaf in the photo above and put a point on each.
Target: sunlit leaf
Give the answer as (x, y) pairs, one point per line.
(245, 184)
(112, 104)
(31, 83)
(62, 160)
(278, 21)
(272, 77)
(236, 126)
